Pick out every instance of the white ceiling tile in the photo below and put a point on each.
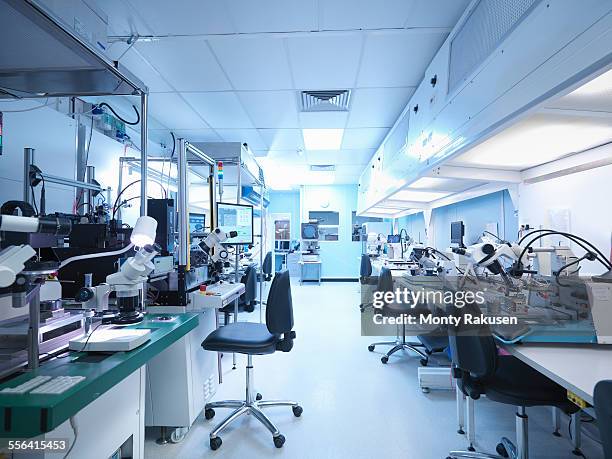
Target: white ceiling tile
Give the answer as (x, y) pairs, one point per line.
(362, 156)
(323, 120)
(363, 138)
(254, 62)
(354, 170)
(378, 107)
(325, 62)
(249, 136)
(364, 14)
(287, 157)
(340, 157)
(273, 15)
(221, 110)
(142, 69)
(186, 63)
(283, 139)
(442, 13)
(271, 109)
(197, 135)
(185, 16)
(170, 110)
(123, 18)
(397, 58)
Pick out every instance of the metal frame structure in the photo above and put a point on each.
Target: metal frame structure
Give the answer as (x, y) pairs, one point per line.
(237, 162)
(43, 82)
(188, 156)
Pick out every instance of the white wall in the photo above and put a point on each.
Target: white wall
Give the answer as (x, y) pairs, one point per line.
(587, 197)
(53, 135)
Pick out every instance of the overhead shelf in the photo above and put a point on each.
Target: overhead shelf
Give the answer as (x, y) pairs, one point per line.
(41, 56)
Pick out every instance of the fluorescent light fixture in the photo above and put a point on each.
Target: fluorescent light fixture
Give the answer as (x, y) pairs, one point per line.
(600, 86)
(539, 139)
(443, 184)
(418, 196)
(323, 139)
(383, 210)
(144, 231)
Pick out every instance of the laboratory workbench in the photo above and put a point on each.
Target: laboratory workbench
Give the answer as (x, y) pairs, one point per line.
(576, 367)
(28, 415)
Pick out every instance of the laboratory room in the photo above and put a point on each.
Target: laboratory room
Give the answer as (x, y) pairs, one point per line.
(305, 229)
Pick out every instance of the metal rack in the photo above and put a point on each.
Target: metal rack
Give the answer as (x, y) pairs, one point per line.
(240, 168)
(35, 33)
(31, 34)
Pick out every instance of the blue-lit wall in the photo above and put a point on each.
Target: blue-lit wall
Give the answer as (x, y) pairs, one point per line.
(287, 202)
(475, 213)
(340, 259)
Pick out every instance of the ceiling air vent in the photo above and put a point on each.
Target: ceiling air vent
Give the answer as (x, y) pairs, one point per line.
(322, 168)
(325, 101)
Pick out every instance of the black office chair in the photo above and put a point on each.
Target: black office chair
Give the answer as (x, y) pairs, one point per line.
(266, 267)
(367, 281)
(603, 408)
(256, 339)
(246, 302)
(480, 370)
(385, 284)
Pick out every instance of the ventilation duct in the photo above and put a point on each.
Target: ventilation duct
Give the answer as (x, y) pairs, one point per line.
(488, 24)
(325, 101)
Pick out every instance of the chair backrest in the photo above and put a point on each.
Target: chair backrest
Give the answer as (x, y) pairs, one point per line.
(279, 310)
(266, 267)
(366, 266)
(603, 408)
(473, 348)
(385, 280)
(249, 279)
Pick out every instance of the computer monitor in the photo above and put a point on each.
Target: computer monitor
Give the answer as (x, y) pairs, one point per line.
(457, 233)
(393, 239)
(197, 223)
(236, 217)
(310, 231)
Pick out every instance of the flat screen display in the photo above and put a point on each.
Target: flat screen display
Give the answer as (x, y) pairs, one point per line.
(197, 223)
(236, 217)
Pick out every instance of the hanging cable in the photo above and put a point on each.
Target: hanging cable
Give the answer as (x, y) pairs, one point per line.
(131, 123)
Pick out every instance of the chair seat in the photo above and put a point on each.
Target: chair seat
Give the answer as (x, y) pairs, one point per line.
(397, 309)
(516, 383)
(434, 342)
(242, 338)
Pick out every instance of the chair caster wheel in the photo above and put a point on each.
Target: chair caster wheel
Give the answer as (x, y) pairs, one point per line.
(279, 441)
(384, 359)
(371, 347)
(556, 434)
(424, 362)
(209, 413)
(471, 448)
(215, 443)
(501, 450)
(297, 411)
(461, 431)
(258, 396)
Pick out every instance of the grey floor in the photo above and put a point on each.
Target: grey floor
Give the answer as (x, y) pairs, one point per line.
(354, 406)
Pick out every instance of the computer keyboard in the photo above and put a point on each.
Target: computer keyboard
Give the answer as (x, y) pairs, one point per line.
(45, 385)
(58, 385)
(26, 386)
